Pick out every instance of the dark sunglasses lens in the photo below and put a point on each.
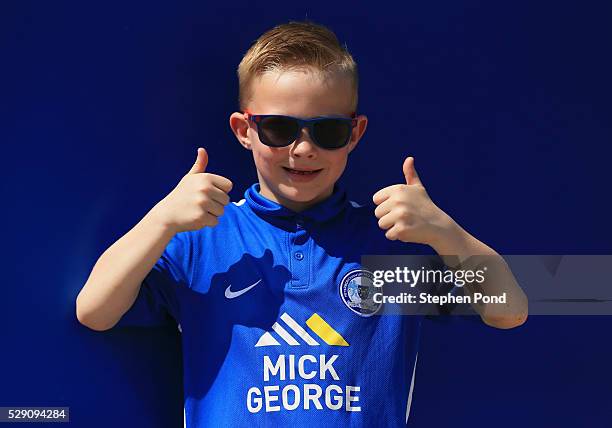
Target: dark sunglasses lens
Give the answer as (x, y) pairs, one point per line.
(278, 131)
(332, 133)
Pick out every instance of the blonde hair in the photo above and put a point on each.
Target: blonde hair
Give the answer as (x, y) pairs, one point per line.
(295, 45)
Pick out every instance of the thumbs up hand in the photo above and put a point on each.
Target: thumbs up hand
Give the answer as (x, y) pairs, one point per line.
(197, 201)
(407, 213)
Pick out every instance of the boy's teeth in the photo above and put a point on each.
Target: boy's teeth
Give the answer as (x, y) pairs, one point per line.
(295, 171)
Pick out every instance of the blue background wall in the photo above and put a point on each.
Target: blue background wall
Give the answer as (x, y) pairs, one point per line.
(505, 105)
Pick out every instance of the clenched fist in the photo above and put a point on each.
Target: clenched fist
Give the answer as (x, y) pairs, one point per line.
(197, 201)
(407, 213)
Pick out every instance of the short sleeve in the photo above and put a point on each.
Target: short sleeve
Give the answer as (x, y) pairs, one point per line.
(157, 302)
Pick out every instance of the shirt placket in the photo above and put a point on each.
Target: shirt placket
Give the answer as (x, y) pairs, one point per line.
(299, 246)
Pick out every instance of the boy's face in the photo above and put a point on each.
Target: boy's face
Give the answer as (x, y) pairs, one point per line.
(304, 94)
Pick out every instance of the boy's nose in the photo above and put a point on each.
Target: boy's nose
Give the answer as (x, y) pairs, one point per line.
(303, 145)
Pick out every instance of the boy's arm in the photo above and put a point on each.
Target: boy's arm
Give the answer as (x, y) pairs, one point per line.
(114, 283)
(407, 213)
(459, 249)
(115, 280)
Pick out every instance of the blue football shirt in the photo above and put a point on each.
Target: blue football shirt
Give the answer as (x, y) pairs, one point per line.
(278, 327)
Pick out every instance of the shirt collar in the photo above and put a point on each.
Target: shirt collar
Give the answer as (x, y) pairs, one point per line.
(321, 212)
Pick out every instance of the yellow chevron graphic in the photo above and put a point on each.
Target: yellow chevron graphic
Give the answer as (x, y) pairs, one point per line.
(325, 331)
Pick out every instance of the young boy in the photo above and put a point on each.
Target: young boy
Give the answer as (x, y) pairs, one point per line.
(271, 336)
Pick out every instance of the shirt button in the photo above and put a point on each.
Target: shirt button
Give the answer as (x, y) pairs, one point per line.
(299, 255)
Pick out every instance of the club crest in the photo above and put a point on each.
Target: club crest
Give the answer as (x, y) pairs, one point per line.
(357, 291)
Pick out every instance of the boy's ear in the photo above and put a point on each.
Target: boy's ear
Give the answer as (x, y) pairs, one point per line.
(240, 125)
(358, 131)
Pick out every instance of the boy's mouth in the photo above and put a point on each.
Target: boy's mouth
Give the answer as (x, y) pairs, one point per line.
(302, 171)
(302, 175)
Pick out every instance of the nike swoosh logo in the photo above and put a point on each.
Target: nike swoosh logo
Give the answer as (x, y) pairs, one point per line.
(233, 294)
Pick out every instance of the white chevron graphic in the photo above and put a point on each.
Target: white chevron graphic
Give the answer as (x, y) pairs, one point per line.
(268, 340)
(299, 330)
(284, 335)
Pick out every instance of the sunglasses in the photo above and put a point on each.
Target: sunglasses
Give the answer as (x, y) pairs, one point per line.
(327, 132)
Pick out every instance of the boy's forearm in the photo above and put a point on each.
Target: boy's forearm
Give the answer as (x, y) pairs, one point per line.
(114, 282)
(458, 249)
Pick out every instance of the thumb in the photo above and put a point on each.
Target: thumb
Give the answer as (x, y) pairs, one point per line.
(200, 163)
(410, 173)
